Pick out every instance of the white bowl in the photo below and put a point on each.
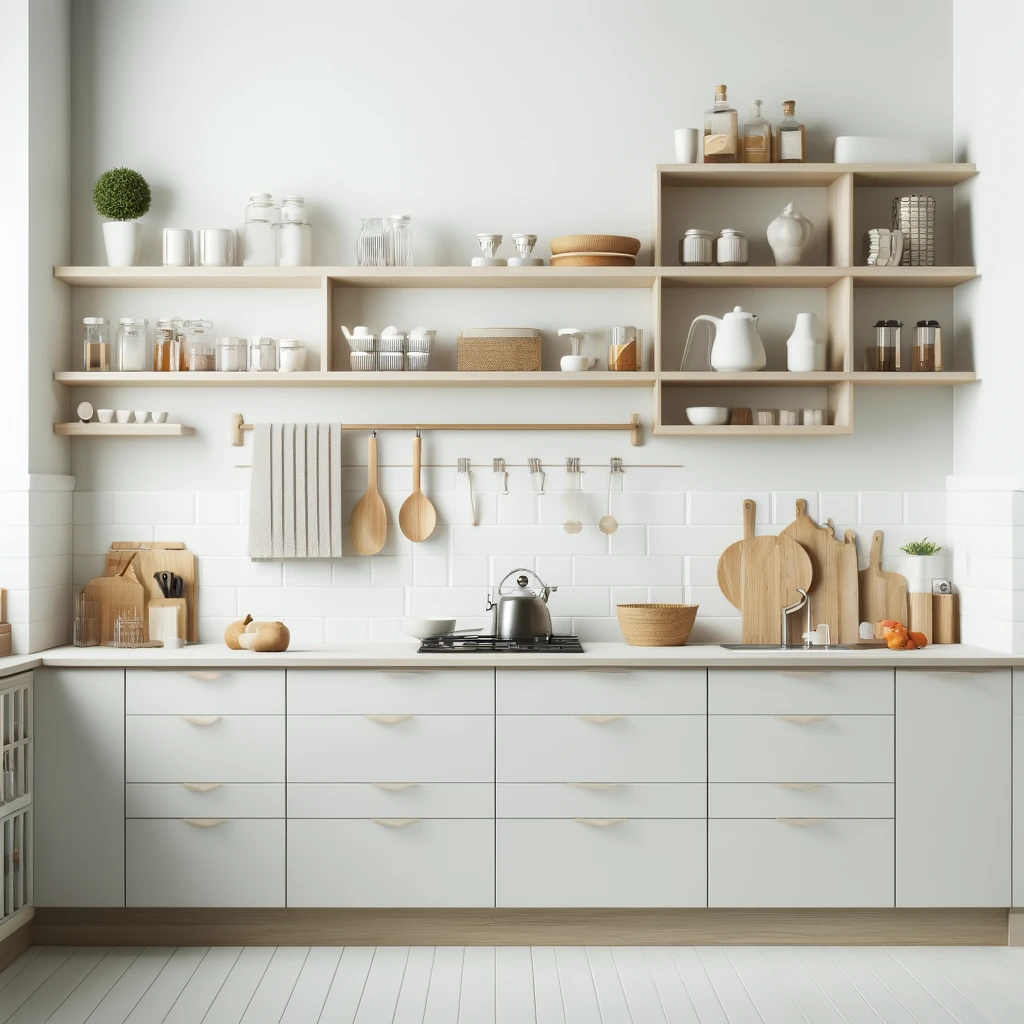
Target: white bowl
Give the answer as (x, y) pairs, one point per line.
(105, 415)
(707, 415)
(421, 628)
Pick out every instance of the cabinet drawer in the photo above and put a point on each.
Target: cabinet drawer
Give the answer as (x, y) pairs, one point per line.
(621, 691)
(210, 748)
(801, 800)
(415, 748)
(601, 862)
(631, 748)
(257, 691)
(391, 800)
(233, 863)
(831, 863)
(801, 692)
(832, 748)
(391, 862)
(601, 800)
(368, 691)
(204, 800)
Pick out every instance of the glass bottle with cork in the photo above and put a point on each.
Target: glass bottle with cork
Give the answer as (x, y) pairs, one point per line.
(721, 135)
(757, 137)
(790, 147)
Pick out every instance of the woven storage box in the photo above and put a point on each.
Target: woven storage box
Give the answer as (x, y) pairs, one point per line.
(656, 625)
(595, 243)
(499, 354)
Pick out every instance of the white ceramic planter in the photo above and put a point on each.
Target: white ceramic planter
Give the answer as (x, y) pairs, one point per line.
(920, 570)
(122, 239)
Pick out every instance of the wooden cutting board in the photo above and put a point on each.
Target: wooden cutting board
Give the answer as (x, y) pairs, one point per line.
(114, 593)
(730, 579)
(835, 592)
(883, 595)
(155, 556)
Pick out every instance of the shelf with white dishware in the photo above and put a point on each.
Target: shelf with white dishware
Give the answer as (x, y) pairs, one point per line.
(123, 430)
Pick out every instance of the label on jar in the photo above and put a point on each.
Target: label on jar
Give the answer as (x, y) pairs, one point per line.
(717, 144)
(791, 145)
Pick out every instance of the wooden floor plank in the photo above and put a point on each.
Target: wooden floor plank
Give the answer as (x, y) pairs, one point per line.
(962, 1007)
(310, 993)
(804, 990)
(38, 1007)
(412, 1000)
(905, 987)
(196, 998)
(729, 990)
(383, 983)
(841, 992)
(579, 997)
(92, 990)
(637, 984)
(611, 997)
(158, 999)
(445, 986)
(275, 988)
(994, 976)
(513, 986)
(547, 990)
(674, 997)
(232, 1000)
(347, 987)
(770, 997)
(11, 971)
(119, 1002)
(28, 981)
(476, 1004)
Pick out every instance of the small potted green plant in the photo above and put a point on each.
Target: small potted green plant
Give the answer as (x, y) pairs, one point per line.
(122, 195)
(924, 564)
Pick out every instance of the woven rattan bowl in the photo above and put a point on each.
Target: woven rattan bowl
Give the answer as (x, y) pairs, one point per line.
(656, 625)
(595, 243)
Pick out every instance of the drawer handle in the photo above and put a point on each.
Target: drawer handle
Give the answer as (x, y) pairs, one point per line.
(204, 822)
(388, 719)
(802, 719)
(802, 822)
(599, 719)
(203, 677)
(201, 719)
(606, 671)
(599, 786)
(802, 786)
(394, 822)
(401, 671)
(600, 822)
(800, 672)
(201, 787)
(392, 787)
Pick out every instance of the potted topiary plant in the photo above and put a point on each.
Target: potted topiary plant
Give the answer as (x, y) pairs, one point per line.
(122, 195)
(924, 564)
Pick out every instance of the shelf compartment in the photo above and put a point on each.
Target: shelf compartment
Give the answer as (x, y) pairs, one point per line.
(783, 378)
(818, 175)
(123, 430)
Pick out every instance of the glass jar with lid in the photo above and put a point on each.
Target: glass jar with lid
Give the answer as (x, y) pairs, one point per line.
(165, 345)
(291, 355)
(262, 354)
(96, 344)
(295, 234)
(230, 354)
(399, 240)
(697, 248)
(197, 351)
(132, 351)
(259, 238)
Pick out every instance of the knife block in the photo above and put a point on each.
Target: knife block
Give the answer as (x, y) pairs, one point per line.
(168, 616)
(946, 618)
(920, 614)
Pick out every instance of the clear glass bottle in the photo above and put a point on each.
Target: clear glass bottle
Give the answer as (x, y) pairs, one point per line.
(295, 234)
(165, 350)
(399, 240)
(721, 142)
(197, 351)
(132, 356)
(259, 241)
(757, 137)
(230, 354)
(789, 137)
(96, 344)
(370, 245)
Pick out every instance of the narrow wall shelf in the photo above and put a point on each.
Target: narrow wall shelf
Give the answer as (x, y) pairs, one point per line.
(686, 430)
(122, 429)
(815, 175)
(782, 378)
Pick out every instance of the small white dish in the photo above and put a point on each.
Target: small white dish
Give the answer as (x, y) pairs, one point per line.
(421, 628)
(141, 415)
(123, 415)
(84, 412)
(105, 415)
(707, 415)
(173, 643)
(573, 364)
(159, 417)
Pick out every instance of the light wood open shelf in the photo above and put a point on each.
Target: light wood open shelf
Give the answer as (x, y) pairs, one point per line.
(686, 430)
(122, 429)
(820, 175)
(783, 378)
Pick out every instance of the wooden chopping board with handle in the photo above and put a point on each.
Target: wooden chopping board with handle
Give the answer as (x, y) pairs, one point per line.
(113, 594)
(148, 557)
(730, 562)
(835, 591)
(883, 595)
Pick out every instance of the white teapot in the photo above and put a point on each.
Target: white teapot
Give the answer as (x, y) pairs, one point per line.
(736, 345)
(788, 234)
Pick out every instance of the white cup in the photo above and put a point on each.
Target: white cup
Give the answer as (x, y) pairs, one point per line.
(141, 415)
(177, 244)
(123, 415)
(216, 247)
(687, 145)
(105, 415)
(159, 417)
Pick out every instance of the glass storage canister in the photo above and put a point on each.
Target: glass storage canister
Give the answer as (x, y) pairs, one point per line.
(262, 354)
(927, 353)
(399, 240)
(96, 344)
(291, 355)
(295, 234)
(230, 354)
(259, 239)
(197, 352)
(626, 348)
(884, 354)
(732, 248)
(132, 356)
(165, 346)
(697, 248)
(371, 244)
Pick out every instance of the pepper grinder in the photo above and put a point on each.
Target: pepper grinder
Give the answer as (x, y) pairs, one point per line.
(524, 246)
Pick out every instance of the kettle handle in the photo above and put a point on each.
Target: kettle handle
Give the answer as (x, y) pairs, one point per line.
(689, 338)
(543, 587)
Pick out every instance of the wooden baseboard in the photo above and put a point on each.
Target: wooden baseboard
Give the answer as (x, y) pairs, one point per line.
(59, 926)
(13, 945)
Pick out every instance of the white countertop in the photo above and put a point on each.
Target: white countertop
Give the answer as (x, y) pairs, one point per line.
(403, 655)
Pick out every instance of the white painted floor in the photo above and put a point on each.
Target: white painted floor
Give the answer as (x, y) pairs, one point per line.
(516, 985)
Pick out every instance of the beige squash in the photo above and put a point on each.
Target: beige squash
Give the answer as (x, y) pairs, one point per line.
(232, 633)
(265, 637)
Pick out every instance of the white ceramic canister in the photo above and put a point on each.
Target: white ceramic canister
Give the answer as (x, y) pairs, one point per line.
(291, 355)
(216, 247)
(697, 248)
(732, 248)
(177, 247)
(804, 353)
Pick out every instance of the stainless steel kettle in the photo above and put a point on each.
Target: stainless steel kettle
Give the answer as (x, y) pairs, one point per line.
(521, 613)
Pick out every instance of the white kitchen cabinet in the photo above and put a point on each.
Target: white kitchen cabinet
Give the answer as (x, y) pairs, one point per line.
(1018, 788)
(601, 800)
(367, 691)
(626, 691)
(254, 691)
(79, 788)
(800, 691)
(391, 800)
(601, 862)
(953, 780)
(801, 800)
(204, 800)
(390, 862)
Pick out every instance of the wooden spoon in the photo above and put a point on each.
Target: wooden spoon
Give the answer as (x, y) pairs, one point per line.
(417, 517)
(368, 526)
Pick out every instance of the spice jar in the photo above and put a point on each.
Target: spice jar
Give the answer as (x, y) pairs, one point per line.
(295, 241)
(884, 353)
(262, 354)
(230, 354)
(132, 356)
(696, 249)
(165, 346)
(732, 248)
(197, 348)
(96, 345)
(399, 240)
(927, 353)
(626, 348)
(291, 355)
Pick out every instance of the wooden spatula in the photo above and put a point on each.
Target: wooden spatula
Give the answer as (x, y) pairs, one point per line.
(368, 526)
(883, 595)
(417, 517)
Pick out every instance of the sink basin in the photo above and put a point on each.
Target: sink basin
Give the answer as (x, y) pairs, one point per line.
(793, 647)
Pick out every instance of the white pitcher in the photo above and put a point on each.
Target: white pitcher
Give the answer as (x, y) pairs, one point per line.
(736, 345)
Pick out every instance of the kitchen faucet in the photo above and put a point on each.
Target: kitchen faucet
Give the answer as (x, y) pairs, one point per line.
(795, 607)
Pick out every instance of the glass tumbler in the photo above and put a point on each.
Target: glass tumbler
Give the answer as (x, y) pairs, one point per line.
(626, 348)
(370, 246)
(399, 247)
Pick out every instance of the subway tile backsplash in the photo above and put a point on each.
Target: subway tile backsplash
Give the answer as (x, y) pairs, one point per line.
(665, 549)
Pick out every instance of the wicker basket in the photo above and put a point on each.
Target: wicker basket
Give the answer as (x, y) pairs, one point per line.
(593, 259)
(656, 625)
(499, 354)
(595, 243)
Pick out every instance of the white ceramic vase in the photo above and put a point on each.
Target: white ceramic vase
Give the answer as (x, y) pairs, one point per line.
(920, 570)
(804, 353)
(122, 239)
(788, 234)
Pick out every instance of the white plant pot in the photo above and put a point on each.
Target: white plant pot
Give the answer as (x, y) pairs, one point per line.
(122, 239)
(920, 570)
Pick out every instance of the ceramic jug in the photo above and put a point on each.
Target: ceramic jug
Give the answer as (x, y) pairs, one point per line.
(804, 353)
(736, 345)
(788, 234)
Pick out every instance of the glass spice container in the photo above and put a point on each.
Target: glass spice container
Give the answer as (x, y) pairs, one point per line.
(96, 344)
(884, 354)
(626, 348)
(165, 348)
(789, 137)
(230, 354)
(721, 143)
(132, 356)
(262, 354)
(295, 234)
(757, 137)
(697, 248)
(196, 353)
(259, 238)
(927, 353)
(399, 241)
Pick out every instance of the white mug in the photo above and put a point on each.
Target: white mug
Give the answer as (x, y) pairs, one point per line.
(687, 145)
(177, 247)
(216, 247)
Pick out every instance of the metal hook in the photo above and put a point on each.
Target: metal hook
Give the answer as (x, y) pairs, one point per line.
(616, 465)
(417, 431)
(498, 466)
(537, 474)
(373, 431)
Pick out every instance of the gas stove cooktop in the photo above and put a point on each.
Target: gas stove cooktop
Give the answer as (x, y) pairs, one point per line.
(477, 643)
